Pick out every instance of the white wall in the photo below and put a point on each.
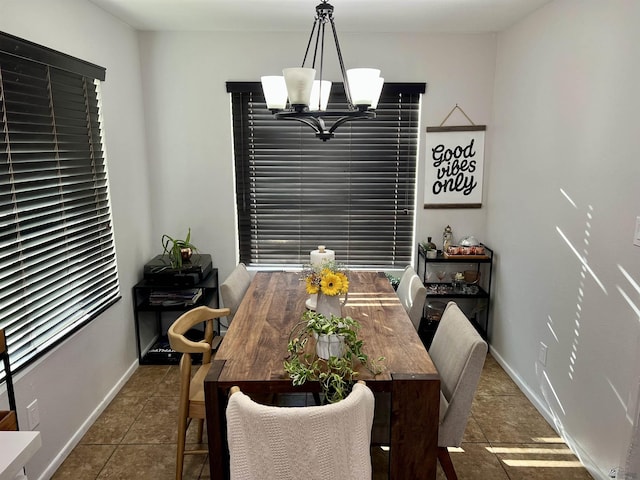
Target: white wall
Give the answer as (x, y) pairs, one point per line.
(73, 382)
(189, 123)
(563, 200)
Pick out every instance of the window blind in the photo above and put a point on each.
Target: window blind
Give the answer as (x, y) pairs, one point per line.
(354, 193)
(57, 256)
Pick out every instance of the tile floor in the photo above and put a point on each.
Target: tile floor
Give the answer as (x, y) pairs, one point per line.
(506, 438)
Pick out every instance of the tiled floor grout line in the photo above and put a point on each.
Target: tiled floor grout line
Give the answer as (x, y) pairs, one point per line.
(498, 400)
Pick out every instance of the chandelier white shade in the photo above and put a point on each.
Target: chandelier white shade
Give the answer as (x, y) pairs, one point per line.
(299, 83)
(363, 83)
(320, 95)
(308, 98)
(275, 92)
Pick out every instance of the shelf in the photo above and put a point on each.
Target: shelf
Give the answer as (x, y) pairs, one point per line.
(441, 258)
(161, 352)
(144, 306)
(446, 290)
(149, 319)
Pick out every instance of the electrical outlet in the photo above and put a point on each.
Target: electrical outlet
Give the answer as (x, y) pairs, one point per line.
(613, 473)
(542, 354)
(636, 236)
(33, 414)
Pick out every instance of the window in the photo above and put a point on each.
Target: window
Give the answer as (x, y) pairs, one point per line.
(57, 257)
(354, 193)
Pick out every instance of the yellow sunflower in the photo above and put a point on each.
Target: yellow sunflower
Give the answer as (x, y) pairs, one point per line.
(311, 286)
(331, 284)
(345, 282)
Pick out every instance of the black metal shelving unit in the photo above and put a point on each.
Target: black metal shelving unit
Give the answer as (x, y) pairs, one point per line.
(160, 353)
(475, 302)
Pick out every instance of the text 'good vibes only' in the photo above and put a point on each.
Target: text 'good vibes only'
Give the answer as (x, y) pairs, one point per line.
(455, 168)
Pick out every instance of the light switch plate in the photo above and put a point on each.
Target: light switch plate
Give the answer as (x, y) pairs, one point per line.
(33, 414)
(636, 237)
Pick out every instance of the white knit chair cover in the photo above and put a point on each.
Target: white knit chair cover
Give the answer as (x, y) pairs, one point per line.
(292, 443)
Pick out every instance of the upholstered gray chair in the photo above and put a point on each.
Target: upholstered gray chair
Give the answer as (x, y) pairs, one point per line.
(233, 289)
(412, 294)
(290, 443)
(458, 352)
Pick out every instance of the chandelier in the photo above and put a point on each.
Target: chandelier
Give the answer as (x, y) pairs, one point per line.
(308, 97)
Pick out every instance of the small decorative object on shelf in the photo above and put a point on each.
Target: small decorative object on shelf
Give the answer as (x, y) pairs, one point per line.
(447, 238)
(179, 251)
(459, 251)
(430, 247)
(458, 282)
(332, 362)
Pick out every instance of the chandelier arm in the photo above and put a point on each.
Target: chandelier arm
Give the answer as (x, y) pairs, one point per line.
(345, 81)
(345, 119)
(313, 29)
(310, 121)
(321, 58)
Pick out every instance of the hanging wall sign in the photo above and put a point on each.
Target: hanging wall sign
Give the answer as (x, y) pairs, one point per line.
(455, 162)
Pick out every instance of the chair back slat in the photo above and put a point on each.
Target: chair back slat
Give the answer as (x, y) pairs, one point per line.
(4, 355)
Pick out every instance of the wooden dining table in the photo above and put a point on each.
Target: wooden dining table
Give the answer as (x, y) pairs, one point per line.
(252, 352)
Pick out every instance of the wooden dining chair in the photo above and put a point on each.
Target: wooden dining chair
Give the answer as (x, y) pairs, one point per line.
(290, 443)
(8, 419)
(412, 294)
(233, 289)
(191, 403)
(458, 352)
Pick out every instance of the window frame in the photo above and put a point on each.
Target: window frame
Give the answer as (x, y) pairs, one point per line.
(357, 146)
(64, 270)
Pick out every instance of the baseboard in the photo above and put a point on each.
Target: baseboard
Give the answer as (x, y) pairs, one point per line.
(75, 439)
(541, 406)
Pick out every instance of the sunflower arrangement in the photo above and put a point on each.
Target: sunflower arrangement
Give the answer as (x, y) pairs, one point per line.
(328, 278)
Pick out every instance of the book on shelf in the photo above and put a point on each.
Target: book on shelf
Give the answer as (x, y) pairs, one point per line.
(187, 296)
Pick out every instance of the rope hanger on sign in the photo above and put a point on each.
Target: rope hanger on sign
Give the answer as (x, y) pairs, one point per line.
(453, 110)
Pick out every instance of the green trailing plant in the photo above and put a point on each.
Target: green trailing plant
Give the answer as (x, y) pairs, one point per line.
(178, 250)
(393, 280)
(336, 375)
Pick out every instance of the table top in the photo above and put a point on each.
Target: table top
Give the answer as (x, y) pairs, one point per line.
(16, 448)
(255, 345)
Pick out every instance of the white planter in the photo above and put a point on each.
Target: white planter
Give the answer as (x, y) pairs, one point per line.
(329, 346)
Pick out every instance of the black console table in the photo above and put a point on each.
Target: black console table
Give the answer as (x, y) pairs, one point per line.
(152, 299)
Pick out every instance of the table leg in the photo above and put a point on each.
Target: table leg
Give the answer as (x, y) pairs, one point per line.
(414, 426)
(215, 401)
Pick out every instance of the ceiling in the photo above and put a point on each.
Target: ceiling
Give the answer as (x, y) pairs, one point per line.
(431, 16)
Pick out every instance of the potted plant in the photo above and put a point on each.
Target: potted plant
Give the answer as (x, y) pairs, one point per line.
(393, 280)
(177, 250)
(430, 248)
(332, 361)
